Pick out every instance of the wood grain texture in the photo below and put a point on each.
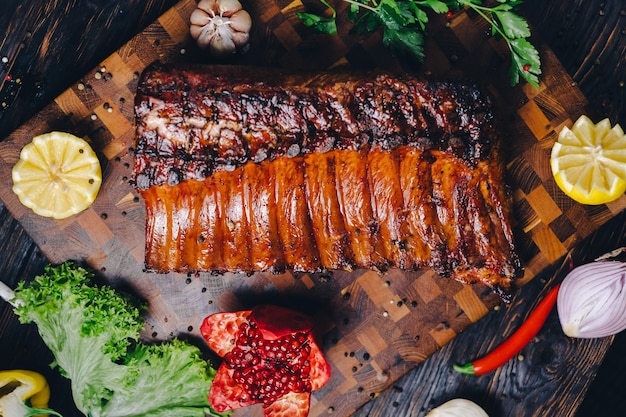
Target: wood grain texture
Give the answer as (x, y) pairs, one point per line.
(33, 93)
(589, 39)
(37, 47)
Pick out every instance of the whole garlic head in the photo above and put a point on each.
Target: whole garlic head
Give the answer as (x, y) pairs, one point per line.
(221, 26)
(458, 407)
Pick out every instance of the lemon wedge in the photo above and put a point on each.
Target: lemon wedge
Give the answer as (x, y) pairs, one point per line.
(58, 175)
(588, 161)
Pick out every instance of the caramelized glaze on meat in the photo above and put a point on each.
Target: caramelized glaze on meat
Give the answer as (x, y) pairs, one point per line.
(247, 169)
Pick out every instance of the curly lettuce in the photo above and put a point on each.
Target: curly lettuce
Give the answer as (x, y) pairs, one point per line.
(93, 333)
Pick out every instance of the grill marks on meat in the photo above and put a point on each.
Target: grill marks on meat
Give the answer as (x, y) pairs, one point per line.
(296, 229)
(353, 189)
(331, 171)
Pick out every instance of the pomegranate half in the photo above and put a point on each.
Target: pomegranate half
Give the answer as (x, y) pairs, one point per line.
(270, 357)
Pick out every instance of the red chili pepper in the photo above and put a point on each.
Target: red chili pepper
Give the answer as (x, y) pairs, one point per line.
(510, 347)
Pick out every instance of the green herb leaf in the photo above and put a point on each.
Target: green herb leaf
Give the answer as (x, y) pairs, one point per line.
(404, 25)
(365, 23)
(525, 62)
(437, 6)
(411, 13)
(512, 3)
(325, 25)
(405, 42)
(471, 3)
(353, 12)
(422, 18)
(391, 18)
(514, 26)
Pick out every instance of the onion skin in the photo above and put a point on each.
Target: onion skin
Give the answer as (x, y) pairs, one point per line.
(458, 407)
(592, 300)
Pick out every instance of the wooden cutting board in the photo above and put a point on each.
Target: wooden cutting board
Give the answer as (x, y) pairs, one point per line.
(373, 328)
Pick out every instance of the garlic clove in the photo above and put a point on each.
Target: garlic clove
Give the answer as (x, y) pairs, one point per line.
(241, 21)
(196, 32)
(223, 44)
(209, 6)
(205, 35)
(199, 18)
(458, 407)
(229, 7)
(592, 300)
(240, 39)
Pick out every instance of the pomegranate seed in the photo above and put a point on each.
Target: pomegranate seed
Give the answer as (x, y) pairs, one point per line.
(268, 369)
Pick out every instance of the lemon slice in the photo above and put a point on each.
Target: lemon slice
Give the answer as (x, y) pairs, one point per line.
(58, 175)
(589, 161)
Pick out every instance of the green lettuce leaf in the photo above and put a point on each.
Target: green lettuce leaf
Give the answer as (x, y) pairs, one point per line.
(93, 333)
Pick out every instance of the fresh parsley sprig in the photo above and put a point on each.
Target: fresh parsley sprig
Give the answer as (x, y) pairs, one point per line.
(403, 24)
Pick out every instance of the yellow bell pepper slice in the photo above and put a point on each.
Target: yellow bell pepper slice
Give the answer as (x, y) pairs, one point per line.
(22, 393)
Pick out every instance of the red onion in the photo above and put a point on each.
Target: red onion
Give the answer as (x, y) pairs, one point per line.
(592, 300)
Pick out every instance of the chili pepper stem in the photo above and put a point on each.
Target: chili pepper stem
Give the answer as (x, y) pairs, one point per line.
(467, 369)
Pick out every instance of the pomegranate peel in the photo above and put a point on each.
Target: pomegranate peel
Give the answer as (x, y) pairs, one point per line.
(217, 327)
(229, 396)
(320, 374)
(270, 357)
(276, 322)
(294, 404)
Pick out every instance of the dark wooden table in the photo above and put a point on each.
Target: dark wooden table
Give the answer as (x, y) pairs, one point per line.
(48, 46)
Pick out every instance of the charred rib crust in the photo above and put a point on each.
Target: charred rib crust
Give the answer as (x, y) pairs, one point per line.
(191, 122)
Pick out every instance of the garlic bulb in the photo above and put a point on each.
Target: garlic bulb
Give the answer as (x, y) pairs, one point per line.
(458, 407)
(222, 26)
(592, 300)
